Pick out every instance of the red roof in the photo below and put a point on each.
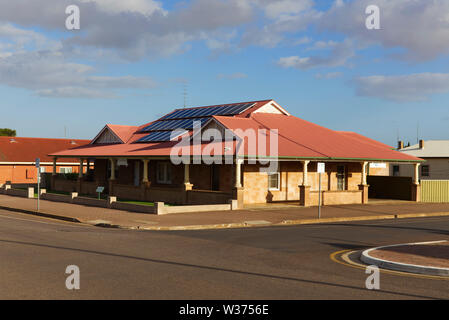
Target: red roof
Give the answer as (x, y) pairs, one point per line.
(365, 139)
(124, 133)
(18, 149)
(303, 139)
(297, 139)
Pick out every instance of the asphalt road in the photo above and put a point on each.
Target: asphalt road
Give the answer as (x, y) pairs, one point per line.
(258, 263)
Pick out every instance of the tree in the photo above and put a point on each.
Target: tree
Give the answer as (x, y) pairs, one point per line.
(7, 132)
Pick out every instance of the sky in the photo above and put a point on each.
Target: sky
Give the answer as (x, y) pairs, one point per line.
(131, 62)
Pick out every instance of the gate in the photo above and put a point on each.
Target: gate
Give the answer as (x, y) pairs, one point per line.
(435, 191)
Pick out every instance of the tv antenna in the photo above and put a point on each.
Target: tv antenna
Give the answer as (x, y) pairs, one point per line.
(185, 94)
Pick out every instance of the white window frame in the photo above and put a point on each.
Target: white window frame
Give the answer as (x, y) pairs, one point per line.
(165, 167)
(65, 170)
(269, 174)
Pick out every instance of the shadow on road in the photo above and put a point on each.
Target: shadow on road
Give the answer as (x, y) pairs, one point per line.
(173, 263)
(435, 231)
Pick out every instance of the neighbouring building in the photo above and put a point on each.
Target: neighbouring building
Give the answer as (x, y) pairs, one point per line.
(134, 162)
(18, 156)
(436, 156)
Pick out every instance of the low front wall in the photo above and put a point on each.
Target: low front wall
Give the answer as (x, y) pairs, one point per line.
(173, 195)
(26, 193)
(90, 202)
(128, 192)
(64, 185)
(133, 207)
(88, 187)
(342, 197)
(207, 197)
(201, 208)
(56, 197)
(168, 195)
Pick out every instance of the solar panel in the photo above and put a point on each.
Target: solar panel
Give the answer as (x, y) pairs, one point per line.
(174, 124)
(161, 136)
(161, 130)
(232, 109)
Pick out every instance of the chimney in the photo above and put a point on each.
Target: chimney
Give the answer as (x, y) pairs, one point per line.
(421, 144)
(400, 144)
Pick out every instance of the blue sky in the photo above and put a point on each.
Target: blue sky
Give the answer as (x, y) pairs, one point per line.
(130, 61)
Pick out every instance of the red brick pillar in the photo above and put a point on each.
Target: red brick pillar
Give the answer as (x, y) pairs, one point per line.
(416, 192)
(238, 194)
(364, 188)
(304, 196)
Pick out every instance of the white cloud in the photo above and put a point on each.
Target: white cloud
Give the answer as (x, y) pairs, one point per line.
(47, 73)
(135, 29)
(403, 88)
(277, 9)
(146, 7)
(419, 26)
(339, 54)
(75, 92)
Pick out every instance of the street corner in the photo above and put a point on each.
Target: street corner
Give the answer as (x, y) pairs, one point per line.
(426, 260)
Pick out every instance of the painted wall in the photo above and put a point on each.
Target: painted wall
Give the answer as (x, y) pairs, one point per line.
(438, 169)
(27, 173)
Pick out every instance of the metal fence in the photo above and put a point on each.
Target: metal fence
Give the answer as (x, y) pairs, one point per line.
(435, 191)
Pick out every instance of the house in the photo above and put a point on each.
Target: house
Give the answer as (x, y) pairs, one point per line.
(374, 168)
(252, 152)
(18, 156)
(436, 156)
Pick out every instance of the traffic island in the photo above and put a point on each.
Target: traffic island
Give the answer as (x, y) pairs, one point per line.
(430, 258)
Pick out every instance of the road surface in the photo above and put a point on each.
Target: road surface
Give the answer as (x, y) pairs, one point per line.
(254, 263)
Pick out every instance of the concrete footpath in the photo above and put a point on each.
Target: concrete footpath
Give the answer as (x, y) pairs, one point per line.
(256, 216)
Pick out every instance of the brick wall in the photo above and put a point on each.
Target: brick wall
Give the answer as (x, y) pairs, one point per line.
(291, 176)
(26, 174)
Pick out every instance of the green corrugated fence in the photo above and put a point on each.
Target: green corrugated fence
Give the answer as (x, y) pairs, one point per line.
(434, 190)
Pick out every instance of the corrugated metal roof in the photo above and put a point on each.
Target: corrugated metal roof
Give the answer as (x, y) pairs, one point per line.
(301, 138)
(19, 149)
(298, 138)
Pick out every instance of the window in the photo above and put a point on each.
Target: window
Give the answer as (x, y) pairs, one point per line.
(341, 178)
(163, 172)
(425, 171)
(395, 171)
(273, 181)
(30, 173)
(65, 170)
